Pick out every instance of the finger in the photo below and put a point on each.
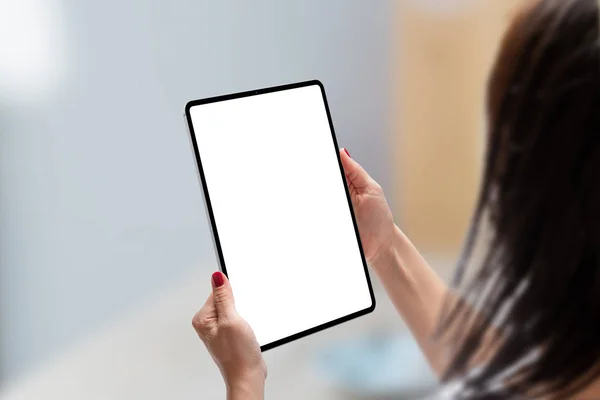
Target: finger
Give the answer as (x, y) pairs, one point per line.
(355, 174)
(222, 296)
(206, 317)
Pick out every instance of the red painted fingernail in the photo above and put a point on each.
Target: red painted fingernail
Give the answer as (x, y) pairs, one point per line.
(346, 150)
(218, 279)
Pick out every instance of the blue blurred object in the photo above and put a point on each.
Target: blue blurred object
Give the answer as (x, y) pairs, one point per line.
(378, 366)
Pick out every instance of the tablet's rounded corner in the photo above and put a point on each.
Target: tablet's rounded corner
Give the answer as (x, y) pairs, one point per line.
(188, 107)
(318, 83)
(372, 306)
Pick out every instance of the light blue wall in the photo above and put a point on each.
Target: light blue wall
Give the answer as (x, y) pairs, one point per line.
(101, 207)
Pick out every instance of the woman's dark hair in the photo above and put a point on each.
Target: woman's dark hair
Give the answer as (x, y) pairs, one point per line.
(537, 287)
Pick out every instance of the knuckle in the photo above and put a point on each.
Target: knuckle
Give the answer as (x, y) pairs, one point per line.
(197, 322)
(376, 188)
(200, 323)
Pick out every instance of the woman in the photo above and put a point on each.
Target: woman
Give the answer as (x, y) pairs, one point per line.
(527, 323)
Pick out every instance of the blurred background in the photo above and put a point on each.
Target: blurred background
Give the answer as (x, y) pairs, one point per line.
(105, 252)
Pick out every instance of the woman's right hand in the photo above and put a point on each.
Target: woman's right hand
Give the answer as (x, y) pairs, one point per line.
(373, 214)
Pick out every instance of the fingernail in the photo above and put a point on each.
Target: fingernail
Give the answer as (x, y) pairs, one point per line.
(346, 150)
(218, 279)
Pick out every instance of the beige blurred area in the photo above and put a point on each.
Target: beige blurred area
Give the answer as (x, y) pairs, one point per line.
(104, 263)
(444, 55)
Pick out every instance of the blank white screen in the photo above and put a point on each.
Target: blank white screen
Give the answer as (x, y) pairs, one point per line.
(281, 211)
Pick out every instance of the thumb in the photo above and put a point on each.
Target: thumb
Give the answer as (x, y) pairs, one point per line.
(355, 174)
(222, 296)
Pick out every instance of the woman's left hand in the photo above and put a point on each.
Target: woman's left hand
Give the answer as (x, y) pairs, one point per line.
(231, 342)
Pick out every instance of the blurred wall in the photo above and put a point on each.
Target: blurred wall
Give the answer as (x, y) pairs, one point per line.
(101, 207)
(444, 55)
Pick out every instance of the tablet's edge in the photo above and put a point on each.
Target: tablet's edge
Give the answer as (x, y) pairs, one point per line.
(214, 235)
(320, 328)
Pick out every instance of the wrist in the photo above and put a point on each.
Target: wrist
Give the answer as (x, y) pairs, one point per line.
(388, 254)
(246, 390)
(248, 385)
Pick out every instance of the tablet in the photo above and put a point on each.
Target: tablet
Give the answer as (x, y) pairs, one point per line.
(279, 209)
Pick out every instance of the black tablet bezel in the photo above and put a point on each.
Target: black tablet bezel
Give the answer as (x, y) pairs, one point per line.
(211, 216)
